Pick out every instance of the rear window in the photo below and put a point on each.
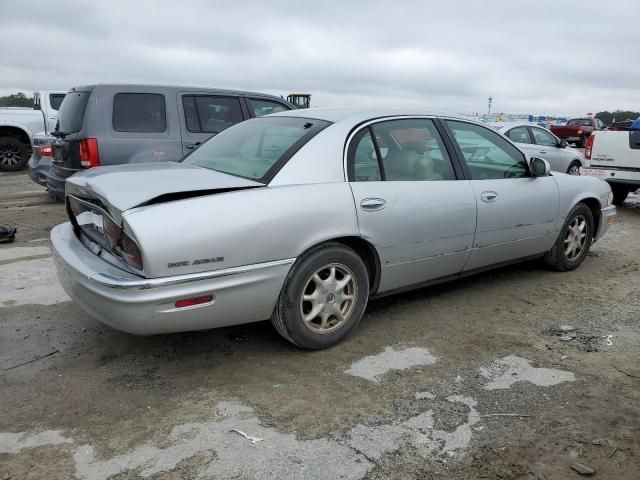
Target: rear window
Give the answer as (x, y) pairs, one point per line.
(256, 149)
(139, 112)
(55, 99)
(71, 113)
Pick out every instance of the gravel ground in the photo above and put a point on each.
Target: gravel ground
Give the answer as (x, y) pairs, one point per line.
(464, 380)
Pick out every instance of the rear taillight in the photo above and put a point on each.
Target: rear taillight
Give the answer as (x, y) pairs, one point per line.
(130, 252)
(89, 156)
(45, 151)
(589, 146)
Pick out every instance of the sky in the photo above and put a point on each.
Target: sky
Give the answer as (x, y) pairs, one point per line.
(540, 57)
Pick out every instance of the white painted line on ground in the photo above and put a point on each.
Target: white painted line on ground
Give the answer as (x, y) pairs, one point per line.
(14, 253)
(30, 282)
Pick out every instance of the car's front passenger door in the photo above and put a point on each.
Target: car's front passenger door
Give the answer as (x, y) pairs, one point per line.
(516, 211)
(411, 204)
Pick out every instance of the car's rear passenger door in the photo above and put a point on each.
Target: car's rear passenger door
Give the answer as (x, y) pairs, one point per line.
(411, 202)
(516, 212)
(204, 115)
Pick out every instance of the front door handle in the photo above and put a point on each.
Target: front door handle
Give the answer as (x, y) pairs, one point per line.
(543, 151)
(191, 146)
(372, 204)
(489, 197)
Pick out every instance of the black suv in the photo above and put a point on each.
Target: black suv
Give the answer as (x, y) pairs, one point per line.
(115, 124)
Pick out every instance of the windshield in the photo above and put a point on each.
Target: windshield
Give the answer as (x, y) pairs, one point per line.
(581, 122)
(256, 149)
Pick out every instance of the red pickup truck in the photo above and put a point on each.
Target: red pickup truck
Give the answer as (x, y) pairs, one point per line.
(578, 130)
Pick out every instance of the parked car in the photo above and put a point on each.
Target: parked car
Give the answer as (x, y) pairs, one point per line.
(577, 130)
(116, 124)
(536, 141)
(40, 162)
(18, 126)
(302, 216)
(614, 156)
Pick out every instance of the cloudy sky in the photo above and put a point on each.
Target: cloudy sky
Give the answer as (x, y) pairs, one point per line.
(541, 56)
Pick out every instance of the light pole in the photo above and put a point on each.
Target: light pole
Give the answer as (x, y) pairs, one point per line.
(490, 100)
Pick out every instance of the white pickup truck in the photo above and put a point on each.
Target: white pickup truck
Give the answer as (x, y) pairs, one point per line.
(18, 126)
(614, 156)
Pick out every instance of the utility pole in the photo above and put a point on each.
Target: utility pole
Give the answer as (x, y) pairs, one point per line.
(490, 100)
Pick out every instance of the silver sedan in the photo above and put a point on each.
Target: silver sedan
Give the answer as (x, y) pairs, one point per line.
(537, 141)
(303, 216)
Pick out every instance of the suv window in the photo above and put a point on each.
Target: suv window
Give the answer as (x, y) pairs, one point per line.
(139, 112)
(410, 150)
(487, 154)
(519, 135)
(209, 114)
(55, 99)
(544, 138)
(265, 107)
(71, 114)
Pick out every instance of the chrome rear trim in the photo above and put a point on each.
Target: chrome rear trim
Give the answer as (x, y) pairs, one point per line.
(113, 281)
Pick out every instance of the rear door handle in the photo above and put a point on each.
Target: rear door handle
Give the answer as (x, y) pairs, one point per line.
(191, 146)
(489, 197)
(543, 151)
(372, 204)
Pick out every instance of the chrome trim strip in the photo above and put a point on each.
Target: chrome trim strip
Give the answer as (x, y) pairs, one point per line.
(113, 281)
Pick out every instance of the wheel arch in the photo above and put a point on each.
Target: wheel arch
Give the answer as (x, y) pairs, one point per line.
(16, 132)
(365, 250)
(596, 211)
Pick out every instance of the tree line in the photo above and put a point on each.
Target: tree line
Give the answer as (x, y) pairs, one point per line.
(16, 100)
(617, 116)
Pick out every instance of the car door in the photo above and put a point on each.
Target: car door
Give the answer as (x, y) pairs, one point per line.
(516, 211)
(548, 147)
(204, 115)
(411, 203)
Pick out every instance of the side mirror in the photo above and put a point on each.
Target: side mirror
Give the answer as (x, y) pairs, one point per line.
(563, 144)
(540, 167)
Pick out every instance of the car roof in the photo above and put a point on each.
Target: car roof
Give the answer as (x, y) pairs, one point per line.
(356, 114)
(176, 88)
(500, 126)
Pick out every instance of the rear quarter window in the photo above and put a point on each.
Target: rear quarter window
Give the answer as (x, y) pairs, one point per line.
(139, 112)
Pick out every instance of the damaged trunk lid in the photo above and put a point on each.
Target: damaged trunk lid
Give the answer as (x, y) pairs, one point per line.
(120, 188)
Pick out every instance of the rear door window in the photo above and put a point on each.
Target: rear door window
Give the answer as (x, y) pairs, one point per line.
(139, 112)
(519, 135)
(265, 107)
(71, 113)
(211, 114)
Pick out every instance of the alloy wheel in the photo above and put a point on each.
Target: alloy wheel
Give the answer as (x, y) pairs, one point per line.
(328, 298)
(576, 237)
(574, 170)
(10, 155)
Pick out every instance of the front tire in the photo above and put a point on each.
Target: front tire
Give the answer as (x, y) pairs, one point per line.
(574, 168)
(13, 154)
(574, 240)
(323, 297)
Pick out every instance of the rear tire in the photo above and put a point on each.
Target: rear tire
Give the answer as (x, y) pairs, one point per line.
(620, 193)
(323, 298)
(574, 168)
(574, 240)
(13, 154)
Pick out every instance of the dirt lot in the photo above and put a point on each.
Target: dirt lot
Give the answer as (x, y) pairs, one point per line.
(464, 380)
